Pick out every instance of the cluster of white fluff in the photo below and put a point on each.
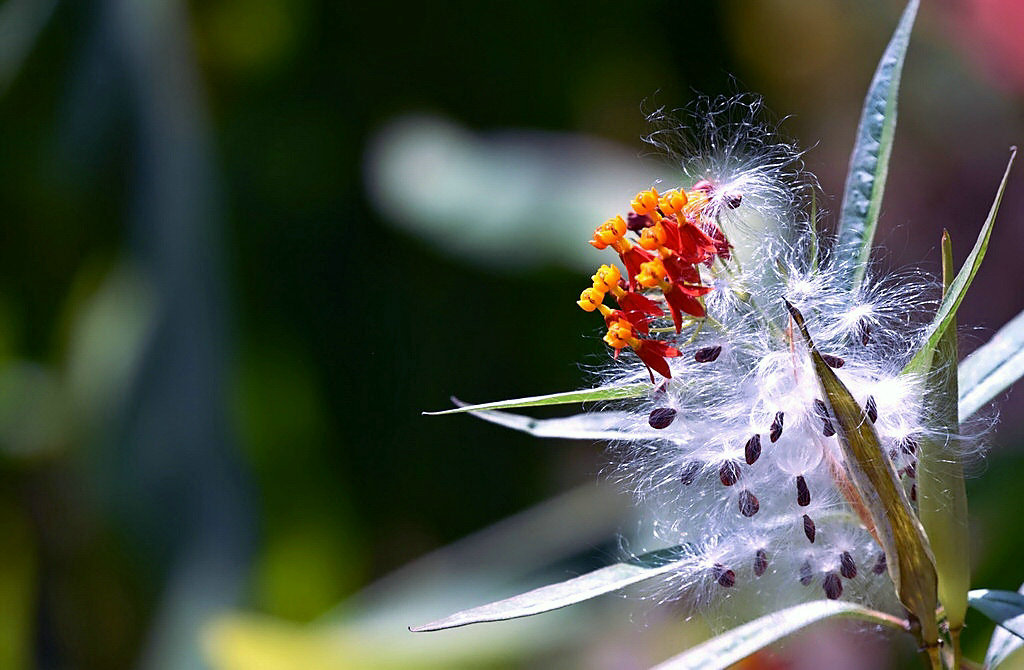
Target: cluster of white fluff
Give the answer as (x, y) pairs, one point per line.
(738, 464)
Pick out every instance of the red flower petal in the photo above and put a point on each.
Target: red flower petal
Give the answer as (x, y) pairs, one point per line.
(653, 354)
(633, 259)
(679, 301)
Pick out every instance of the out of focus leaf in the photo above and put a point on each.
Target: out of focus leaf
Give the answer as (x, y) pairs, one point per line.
(555, 596)
(34, 410)
(992, 368)
(17, 588)
(958, 287)
(545, 192)
(741, 642)
(869, 162)
(1006, 608)
(564, 398)
(895, 525)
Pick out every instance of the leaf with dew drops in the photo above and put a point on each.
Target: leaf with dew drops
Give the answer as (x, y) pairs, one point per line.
(869, 162)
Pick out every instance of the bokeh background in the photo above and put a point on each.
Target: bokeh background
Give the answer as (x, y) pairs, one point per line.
(246, 242)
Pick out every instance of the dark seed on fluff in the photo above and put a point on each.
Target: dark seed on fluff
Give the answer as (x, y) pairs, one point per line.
(748, 503)
(753, 449)
(803, 494)
(776, 429)
(821, 411)
(732, 199)
(809, 528)
(910, 470)
(707, 354)
(689, 473)
(833, 361)
(909, 445)
(760, 562)
(871, 409)
(913, 492)
(864, 330)
(662, 417)
(806, 575)
(729, 473)
(880, 566)
(723, 576)
(833, 586)
(847, 566)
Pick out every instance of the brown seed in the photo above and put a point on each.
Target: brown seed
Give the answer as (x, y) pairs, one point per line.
(732, 199)
(753, 449)
(760, 562)
(847, 566)
(827, 429)
(662, 417)
(809, 528)
(748, 503)
(707, 354)
(723, 576)
(913, 492)
(864, 330)
(820, 409)
(910, 470)
(880, 565)
(689, 473)
(805, 573)
(776, 429)
(833, 586)
(803, 494)
(729, 473)
(909, 445)
(871, 409)
(833, 361)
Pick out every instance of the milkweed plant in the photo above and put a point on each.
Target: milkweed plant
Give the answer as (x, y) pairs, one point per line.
(791, 425)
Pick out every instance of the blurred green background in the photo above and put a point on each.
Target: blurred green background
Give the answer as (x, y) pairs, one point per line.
(246, 242)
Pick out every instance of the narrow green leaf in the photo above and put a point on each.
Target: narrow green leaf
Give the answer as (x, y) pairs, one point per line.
(565, 398)
(897, 527)
(869, 162)
(731, 647)
(922, 360)
(1006, 608)
(941, 495)
(992, 368)
(1004, 646)
(572, 591)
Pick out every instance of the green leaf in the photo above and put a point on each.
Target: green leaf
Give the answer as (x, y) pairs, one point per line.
(1004, 646)
(565, 398)
(869, 162)
(922, 360)
(895, 525)
(941, 495)
(992, 368)
(739, 643)
(1006, 608)
(572, 591)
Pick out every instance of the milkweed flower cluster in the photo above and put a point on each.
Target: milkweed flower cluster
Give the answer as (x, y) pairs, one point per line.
(734, 453)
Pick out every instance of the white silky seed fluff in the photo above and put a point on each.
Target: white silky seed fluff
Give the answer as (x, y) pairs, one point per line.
(762, 370)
